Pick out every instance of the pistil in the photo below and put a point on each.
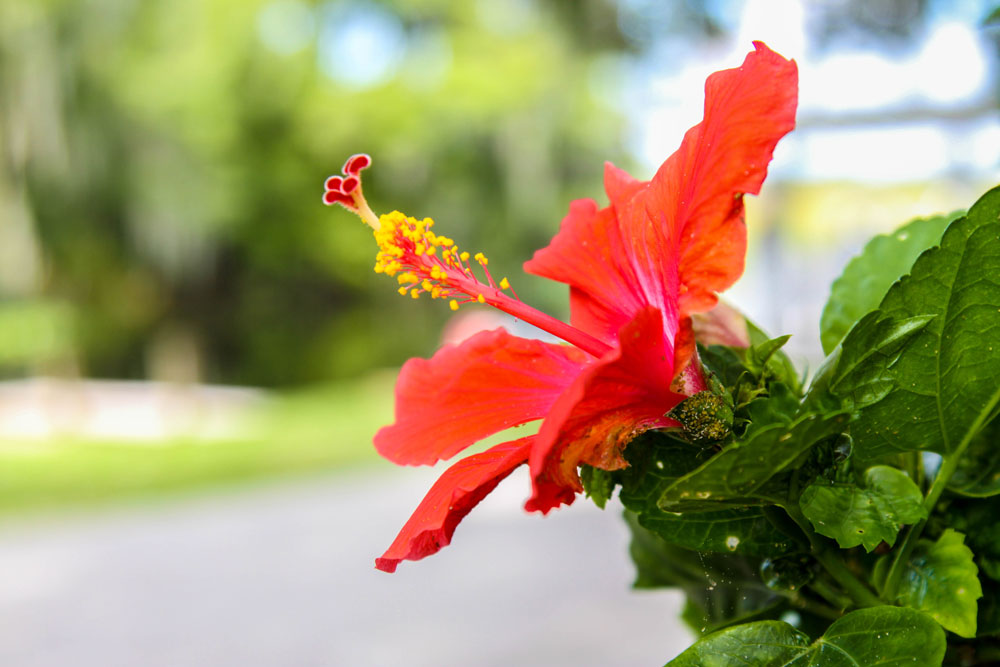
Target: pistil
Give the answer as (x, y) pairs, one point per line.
(424, 262)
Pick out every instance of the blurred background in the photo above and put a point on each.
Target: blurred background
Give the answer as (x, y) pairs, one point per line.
(180, 316)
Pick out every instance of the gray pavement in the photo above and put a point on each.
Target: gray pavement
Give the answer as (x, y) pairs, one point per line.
(282, 574)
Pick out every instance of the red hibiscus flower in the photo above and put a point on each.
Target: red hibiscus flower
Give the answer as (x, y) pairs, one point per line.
(637, 270)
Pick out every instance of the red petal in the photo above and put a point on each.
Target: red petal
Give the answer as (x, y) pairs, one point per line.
(723, 325)
(453, 495)
(747, 110)
(613, 272)
(334, 183)
(614, 400)
(468, 391)
(674, 242)
(619, 184)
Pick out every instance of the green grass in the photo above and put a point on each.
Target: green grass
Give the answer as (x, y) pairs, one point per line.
(312, 430)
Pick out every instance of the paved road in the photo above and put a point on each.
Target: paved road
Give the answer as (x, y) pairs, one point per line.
(281, 575)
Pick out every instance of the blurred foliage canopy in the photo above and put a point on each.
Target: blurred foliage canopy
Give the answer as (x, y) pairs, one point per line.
(163, 161)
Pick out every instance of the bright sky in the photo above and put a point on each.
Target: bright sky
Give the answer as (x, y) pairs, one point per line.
(948, 73)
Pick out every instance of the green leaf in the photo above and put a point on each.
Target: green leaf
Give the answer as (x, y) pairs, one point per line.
(780, 406)
(761, 363)
(869, 515)
(873, 636)
(883, 261)
(759, 644)
(656, 458)
(863, 376)
(978, 471)
(979, 520)
(759, 355)
(942, 580)
(741, 530)
(721, 589)
(599, 484)
(778, 366)
(726, 363)
(946, 387)
(742, 469)
(659, 564)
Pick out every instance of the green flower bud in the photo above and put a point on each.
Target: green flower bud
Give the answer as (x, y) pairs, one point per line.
(706, 418)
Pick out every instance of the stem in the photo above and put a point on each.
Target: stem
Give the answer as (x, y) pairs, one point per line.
(827, 592)
(920, 475)
(816, 608)
(813, 607)
(860, 594)
(948, 465)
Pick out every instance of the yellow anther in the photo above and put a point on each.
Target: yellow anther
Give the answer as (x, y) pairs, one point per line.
(504, 283)
(408, 250)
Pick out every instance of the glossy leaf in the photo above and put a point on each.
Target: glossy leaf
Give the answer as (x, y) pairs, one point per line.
(979, 520)
(778, 366)
(873, 636)
(867, 277)
(760, 644)
(760, 354)
(863, 373)
(763, 361)
(721, 589)
(946, 387)
(597, 484)
(942, 580)
(867, 515)
(780, 406)
(742, 469)
(739, 530)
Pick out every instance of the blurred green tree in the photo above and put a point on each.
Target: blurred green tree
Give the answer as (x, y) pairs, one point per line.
(162, 163)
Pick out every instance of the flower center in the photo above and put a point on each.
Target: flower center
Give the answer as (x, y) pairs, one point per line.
(424, 262)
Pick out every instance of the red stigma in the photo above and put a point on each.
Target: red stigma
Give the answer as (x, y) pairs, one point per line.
(356, 163)
(346, 188)
(331, 197)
